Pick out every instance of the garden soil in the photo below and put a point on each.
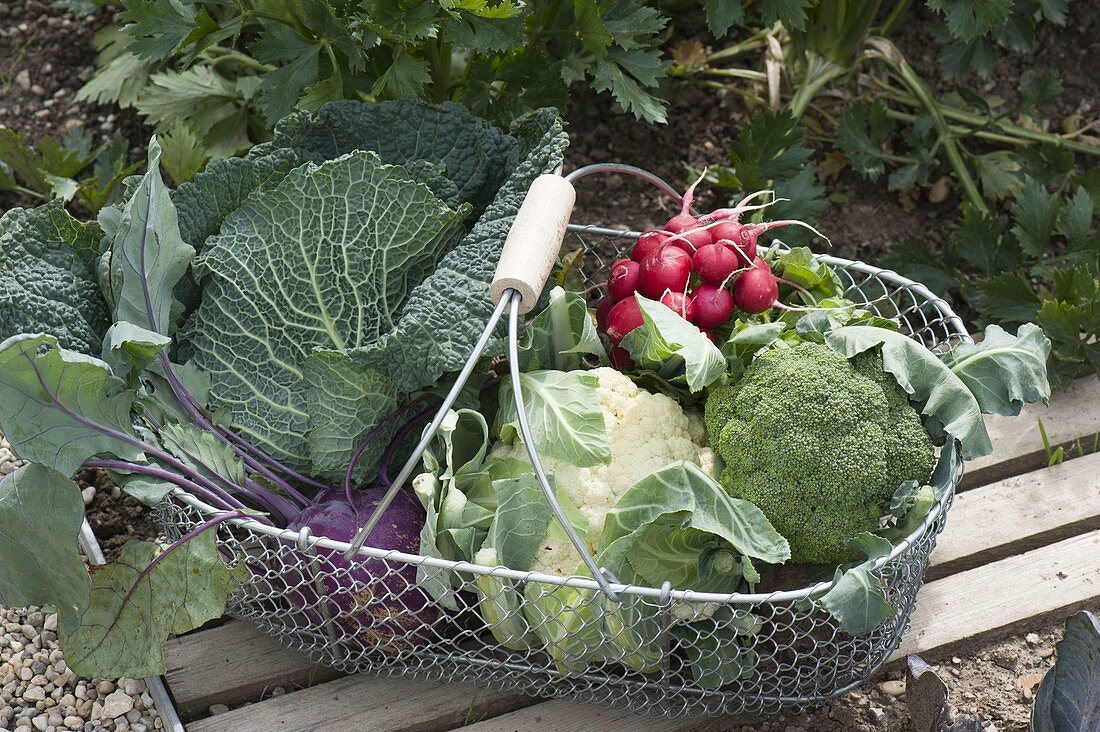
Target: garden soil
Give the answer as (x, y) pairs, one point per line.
(45, 56)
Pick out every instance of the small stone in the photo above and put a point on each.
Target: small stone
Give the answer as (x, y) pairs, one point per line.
(892, 688)
(29, 631)
(88, 494)
(34, 694)
(116, 705)
(42, 114)
(23, 79)
(1032, 639)
(50, 623)
(133, 687)
(73, 722)
(55, 720)
(105, 687)
(1045, 653)
(37, 90)
(876, 714)
(218, 709)
(26, 674)
(139, 728)
(40, 722)
(956, 659)
(72, 124)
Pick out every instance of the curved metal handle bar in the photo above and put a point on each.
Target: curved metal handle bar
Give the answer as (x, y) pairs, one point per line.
(536, 463)
(627, 170)
(429, 434)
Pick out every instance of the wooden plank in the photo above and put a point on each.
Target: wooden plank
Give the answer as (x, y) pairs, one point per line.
(1018, 514)
(565, 716)
(363, 702)
(232, 664)
(1057, 579)
(1017, 445)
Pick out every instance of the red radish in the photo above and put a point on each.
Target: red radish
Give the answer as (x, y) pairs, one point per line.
(624, 317)
(680, 304)
(603, 307)
(755, 290)
(620, 358)
(622, 281)
(761, 263)
(648, 242)
(668, 268)
(713, 305)
(714, 262)
(687, 225)
(730, 230)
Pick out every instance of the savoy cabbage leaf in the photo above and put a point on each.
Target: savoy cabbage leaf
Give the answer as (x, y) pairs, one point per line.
(323, 259)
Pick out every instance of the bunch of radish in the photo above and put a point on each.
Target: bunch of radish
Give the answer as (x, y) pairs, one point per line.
(705, 268)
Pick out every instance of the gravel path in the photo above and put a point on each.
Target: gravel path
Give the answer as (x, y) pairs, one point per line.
(38, 691)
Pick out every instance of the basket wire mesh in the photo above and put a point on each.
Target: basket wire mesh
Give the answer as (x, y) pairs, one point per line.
(304, 591)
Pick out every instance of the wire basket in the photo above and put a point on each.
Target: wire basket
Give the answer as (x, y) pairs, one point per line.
(300, 589)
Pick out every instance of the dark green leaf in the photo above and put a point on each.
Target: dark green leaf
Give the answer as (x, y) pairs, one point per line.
(979, 240)
(792, 13)
(862, 131)
(1076, 218)
(1007, 298)
(48, 278)
(723, 15)
(1017, 33)
(768, 149)
(299, 58)
(1035, 212)
(959, 58)
(1036, 88)
(967, 19)
(405, 77)
(1054, 10)
(915, 260)
(997, 171)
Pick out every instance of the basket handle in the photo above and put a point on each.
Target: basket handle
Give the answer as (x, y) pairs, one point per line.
(534, 241)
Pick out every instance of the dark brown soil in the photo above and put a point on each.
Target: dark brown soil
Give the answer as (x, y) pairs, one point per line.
(115, 517)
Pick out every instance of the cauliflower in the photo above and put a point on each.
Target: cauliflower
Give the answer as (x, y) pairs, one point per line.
(647, 432)
(819, 443)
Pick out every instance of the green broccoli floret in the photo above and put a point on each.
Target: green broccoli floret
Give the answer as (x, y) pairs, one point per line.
(819, 443)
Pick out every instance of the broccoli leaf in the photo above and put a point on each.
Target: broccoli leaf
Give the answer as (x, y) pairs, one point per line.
(1004, 372)
(856, 599)
(41, 567)
(59, 407)
(942, 396)
(564, 414)
(670, 345)
(141, 598)
(692, 500)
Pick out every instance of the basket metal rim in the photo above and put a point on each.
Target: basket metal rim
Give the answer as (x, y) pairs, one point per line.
(306, 541)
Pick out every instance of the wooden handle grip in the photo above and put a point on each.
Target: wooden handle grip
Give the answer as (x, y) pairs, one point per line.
(534, 240)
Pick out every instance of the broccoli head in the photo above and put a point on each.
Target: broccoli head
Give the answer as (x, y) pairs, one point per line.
(819, 443)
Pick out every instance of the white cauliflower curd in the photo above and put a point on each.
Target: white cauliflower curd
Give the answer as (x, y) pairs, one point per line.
(647, 432)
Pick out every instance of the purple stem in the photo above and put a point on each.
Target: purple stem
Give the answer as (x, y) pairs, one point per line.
(258, 455)
(371, 437)
(416, 421)
(220, 498)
